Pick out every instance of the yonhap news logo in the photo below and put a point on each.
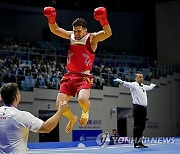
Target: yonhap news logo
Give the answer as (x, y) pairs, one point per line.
(159, 140)
(104, 139)
(149, 140)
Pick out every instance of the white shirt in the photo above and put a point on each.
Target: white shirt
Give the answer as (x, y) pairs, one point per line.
(14, 129)
(138, 92)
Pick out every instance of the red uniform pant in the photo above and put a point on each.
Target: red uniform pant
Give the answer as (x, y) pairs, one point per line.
(72, 83)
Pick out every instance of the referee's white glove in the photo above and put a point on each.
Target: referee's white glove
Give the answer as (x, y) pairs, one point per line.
(118, 80)
(153, 85)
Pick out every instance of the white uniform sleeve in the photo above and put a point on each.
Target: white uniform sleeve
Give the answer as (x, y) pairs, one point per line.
(30, 121)
(129, 85)
(149, 87)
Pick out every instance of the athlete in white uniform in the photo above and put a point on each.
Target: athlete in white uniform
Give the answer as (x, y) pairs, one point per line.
(139, 96)
(15, 124)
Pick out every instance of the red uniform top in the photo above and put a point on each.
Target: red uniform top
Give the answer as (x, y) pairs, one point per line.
(80, 55)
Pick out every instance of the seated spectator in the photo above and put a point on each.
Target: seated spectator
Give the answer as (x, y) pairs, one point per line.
(114, 138)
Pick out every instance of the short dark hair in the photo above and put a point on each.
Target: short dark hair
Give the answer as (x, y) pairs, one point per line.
(79, 22)
(114, 129)
(8, 92)
(138, 72)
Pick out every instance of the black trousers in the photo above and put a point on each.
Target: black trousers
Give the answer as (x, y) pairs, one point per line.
(140, 115)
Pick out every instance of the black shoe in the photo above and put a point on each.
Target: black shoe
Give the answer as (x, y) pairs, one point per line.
(140, 145)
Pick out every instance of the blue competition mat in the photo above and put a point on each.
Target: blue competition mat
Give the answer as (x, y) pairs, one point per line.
(157, 148)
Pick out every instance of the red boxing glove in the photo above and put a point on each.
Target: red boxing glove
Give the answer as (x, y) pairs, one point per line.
(100, 14)
(50, 13)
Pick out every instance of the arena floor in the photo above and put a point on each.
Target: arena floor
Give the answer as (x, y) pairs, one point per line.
(171, 148)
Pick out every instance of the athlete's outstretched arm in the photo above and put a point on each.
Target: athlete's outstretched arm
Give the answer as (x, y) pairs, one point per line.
(52, 122)
(100, 14)
(50, 13)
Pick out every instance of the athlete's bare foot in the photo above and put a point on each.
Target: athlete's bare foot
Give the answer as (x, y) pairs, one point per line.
(84, 118)
(70, 124)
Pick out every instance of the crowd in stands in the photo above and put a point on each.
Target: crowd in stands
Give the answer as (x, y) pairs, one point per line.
(31, 66)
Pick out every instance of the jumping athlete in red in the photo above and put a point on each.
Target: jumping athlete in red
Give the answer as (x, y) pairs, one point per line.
(78, 80)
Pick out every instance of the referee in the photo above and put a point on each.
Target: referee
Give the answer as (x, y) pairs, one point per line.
(139, 96)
